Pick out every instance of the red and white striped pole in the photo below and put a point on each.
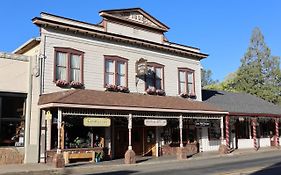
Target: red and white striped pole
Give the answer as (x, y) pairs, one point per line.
(254, 123)
(227, 131)
(277, 132)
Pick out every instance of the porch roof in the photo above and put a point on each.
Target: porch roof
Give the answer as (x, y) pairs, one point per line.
(241, 104)
(125, 101)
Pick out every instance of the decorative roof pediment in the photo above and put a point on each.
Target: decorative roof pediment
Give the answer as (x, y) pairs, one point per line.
(136, 16)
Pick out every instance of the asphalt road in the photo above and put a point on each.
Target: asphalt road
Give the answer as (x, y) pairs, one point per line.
(267, 163)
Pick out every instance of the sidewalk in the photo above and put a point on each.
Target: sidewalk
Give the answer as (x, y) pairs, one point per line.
(48, 169)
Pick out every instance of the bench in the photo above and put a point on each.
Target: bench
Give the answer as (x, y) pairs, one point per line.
(78, 155)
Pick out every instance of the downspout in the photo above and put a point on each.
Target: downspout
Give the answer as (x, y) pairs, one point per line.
(28, 111)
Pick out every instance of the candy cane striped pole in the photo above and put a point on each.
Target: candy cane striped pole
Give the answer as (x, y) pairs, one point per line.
(227, 131)
(254, 123)
(276, 132)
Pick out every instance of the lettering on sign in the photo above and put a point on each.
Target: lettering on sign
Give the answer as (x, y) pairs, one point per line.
(96, 122)
(202, 124)
(155, 122)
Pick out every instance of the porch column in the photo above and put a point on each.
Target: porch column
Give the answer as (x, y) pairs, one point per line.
(130, 155)
(222, 133)
(130, 125)
(277, 132)
(48, 116)
(180, 127)
(58, 158)
(227, 131)
(59, 131)
(254, 123)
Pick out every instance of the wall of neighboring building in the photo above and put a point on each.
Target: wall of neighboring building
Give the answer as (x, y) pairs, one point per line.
(13, 71)
(94, 62)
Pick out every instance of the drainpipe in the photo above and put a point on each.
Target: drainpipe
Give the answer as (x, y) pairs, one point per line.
(28, 112)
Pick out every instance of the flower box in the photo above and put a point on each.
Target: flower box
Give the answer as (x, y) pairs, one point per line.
(183, 95)
(62, 83)
(151, 91)
(114, 88)
(111, 87)
(76, 84)
(160, 92)
(123, 89)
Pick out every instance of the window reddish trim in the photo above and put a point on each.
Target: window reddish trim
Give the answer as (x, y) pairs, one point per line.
(115, 60)
(69, 51)
(156, 65)
(186, 70)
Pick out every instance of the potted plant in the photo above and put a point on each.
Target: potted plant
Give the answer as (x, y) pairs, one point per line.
(151, 91)
(76, 84)
(62, 83)
(160, 92)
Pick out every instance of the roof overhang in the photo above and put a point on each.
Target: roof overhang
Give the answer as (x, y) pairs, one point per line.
(41, 22)
(27, 45)
(125, 108)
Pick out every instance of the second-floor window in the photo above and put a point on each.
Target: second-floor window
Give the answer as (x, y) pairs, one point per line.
(68, 65)
(155, 76)
(186, 81)
(116, 69)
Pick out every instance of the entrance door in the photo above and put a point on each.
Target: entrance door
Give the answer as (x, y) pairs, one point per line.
(149, 141)
(121, 142)
(203, 138)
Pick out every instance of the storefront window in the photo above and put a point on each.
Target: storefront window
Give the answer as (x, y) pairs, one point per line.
(214, 130)
(76, 135)
(12, 121)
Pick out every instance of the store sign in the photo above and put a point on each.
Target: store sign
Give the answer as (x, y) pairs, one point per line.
(141, 67)
(154, 122)
(202, 124)
(96, 122)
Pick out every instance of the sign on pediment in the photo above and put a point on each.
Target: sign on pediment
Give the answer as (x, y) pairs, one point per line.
(137, 17)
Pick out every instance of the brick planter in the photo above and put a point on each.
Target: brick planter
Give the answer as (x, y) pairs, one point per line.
(11, 156)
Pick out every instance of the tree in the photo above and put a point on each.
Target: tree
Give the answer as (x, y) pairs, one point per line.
(259, 73)
(206, 78)
(225, 85)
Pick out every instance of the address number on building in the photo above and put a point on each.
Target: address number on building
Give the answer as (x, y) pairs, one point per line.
(154, 122)
(96, 122)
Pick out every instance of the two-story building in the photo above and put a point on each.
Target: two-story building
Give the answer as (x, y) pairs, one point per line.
(115, 86)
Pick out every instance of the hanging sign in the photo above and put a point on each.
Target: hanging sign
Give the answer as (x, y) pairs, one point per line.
(48, 115)
(155, 122)
(202, 124)
(141, 67)
(96, 122)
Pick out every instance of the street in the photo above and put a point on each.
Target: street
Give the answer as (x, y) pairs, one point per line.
(254, 164)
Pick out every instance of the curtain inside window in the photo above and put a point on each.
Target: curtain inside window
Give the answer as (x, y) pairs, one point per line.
(190, 83)
(121, 74)
(182, 82)
(109, 72)
(61, 66)
(75, 62)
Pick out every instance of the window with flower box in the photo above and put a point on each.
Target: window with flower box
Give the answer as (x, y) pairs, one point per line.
(68, 68)
(115, 71)
(186, 81)
(154, 79)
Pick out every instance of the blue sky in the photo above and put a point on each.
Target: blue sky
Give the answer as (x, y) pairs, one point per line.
(220, 28)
